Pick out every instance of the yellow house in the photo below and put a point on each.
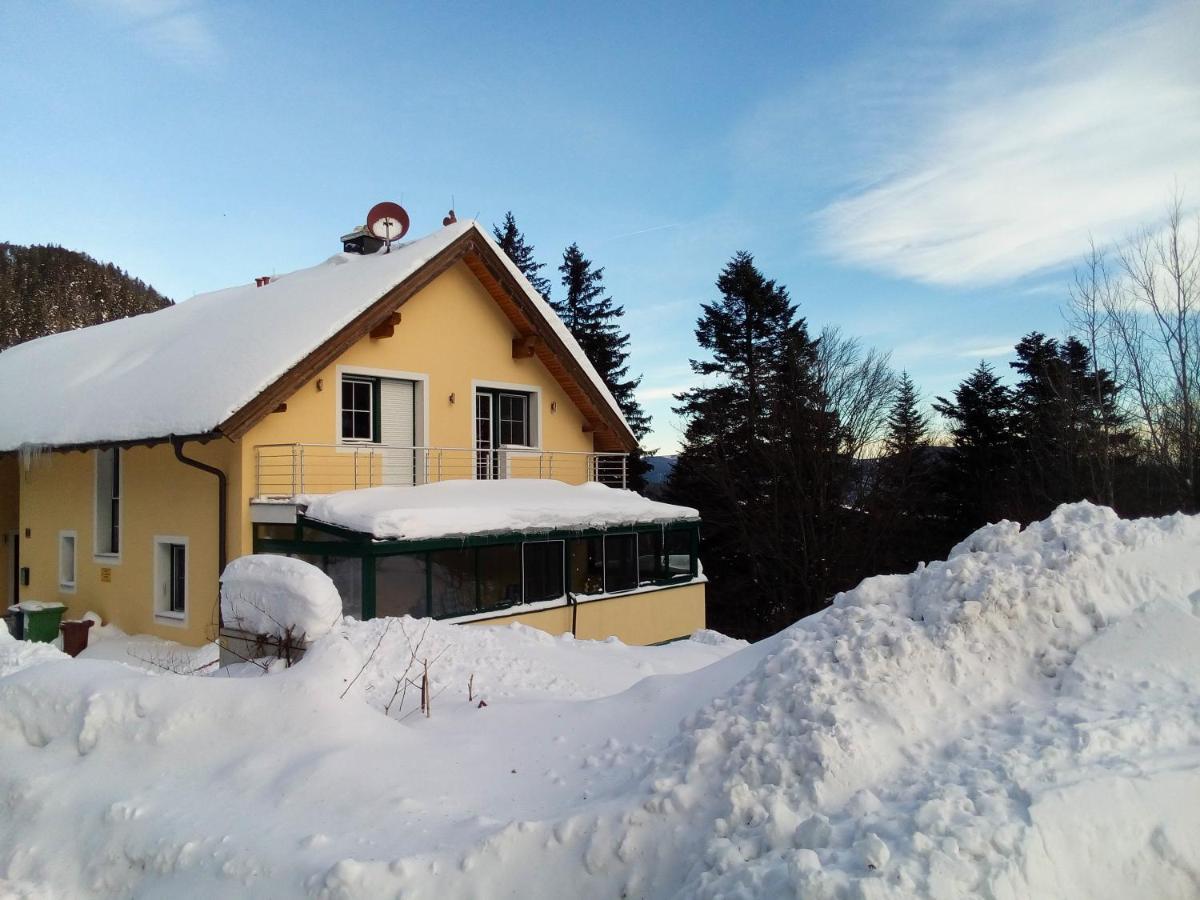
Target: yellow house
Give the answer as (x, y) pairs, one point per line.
(143, 454)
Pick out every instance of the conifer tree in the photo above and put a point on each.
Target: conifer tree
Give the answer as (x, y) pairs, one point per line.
(48, 289)
(907, 426)
(747, 333)
(1067, 425)
(512, 241)
(759, 456)
(906, 502)
(594, 320)
(981, 462)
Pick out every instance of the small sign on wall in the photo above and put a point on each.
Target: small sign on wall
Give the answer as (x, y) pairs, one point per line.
(106, 574)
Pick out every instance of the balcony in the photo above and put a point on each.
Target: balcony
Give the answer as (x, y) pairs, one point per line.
(285, 471)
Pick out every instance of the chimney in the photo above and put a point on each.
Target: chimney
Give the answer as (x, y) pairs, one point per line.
(263, 281)
(360, 241)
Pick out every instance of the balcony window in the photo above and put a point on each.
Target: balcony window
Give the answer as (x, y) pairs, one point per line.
(358, 409)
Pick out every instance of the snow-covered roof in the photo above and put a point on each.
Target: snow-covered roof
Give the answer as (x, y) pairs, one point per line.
(460, 508)
(186, 369)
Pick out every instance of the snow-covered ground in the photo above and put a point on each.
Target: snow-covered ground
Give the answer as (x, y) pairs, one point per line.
(1022, 720)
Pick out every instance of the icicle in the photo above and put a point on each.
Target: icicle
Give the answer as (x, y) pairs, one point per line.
(31, 453)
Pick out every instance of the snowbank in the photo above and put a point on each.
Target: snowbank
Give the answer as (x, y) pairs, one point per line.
(272, 595)
(457, 508)
(1020, 720)
(17, 655)
(146, 652)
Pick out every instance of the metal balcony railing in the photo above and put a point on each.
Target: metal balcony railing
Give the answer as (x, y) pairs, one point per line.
(288, 470)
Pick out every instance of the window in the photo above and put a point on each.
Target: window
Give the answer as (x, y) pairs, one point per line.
(170, 577)
(499, 576)
(587, 566)
(620, 562)
(346, 574)
(358, 409)
(452, 573)
(400, 585)
(66, 560)
(108, 502)
(649, 556)
(502, 419)
(514, 420)
(677, 553)
(542, 571)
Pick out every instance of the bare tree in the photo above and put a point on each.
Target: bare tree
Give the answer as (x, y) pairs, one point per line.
(859, 384)
(1091, 299)
(1152, 314)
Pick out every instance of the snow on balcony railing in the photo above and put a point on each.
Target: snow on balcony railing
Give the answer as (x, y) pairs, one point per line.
(288, 470)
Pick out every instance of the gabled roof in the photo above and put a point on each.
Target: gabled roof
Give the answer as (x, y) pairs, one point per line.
(217, 363)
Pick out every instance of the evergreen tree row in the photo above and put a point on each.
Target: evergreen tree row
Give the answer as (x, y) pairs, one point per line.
(47, 289)
(593, 319)
(793, 511)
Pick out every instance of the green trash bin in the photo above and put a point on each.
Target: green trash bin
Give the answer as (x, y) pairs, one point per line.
(42, 620)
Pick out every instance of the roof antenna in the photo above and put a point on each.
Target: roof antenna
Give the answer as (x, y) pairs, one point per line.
(451, 218)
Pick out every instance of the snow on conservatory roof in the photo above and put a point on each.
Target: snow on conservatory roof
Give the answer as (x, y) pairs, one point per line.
(460, 508)
(186, 369)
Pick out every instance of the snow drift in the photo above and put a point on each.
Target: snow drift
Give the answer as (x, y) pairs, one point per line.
(274, 595)
(1020, 720)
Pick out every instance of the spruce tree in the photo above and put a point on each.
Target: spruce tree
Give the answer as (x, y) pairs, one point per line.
(747, 333)
(520, 251)
(981, 417)
(1068, 425)
(759, 456)
(907, 426)
(594, 321)
(906, 502)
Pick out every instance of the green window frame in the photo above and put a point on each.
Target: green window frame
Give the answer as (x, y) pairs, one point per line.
(317, 540)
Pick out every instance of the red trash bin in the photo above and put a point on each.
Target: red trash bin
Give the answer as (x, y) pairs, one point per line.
(75, 635)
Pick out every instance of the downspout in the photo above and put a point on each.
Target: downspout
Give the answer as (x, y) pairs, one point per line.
(222, 507)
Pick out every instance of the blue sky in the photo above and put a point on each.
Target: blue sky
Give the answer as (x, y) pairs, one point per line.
(923, 175)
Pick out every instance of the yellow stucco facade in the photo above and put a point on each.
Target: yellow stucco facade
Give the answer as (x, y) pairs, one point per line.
(641, 617)
(451, 339)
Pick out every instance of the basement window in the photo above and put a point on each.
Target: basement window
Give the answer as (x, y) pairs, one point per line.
(170, 577)
(108, 502)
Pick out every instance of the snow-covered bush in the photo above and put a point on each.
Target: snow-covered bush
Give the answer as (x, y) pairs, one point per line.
(278, 596)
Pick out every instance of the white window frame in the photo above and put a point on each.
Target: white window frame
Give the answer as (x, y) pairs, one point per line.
(535, 409)
(101, 556)
(64, 586)
(372, 386)
(420, 414)
(162, 611)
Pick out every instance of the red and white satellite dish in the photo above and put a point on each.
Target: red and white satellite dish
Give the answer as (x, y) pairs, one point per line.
(388, 222)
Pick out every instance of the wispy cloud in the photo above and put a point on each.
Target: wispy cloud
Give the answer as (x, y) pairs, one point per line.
(1012, 169)
(986, 352)
(176, 30)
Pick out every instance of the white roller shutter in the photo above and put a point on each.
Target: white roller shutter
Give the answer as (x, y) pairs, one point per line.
(398, 428)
